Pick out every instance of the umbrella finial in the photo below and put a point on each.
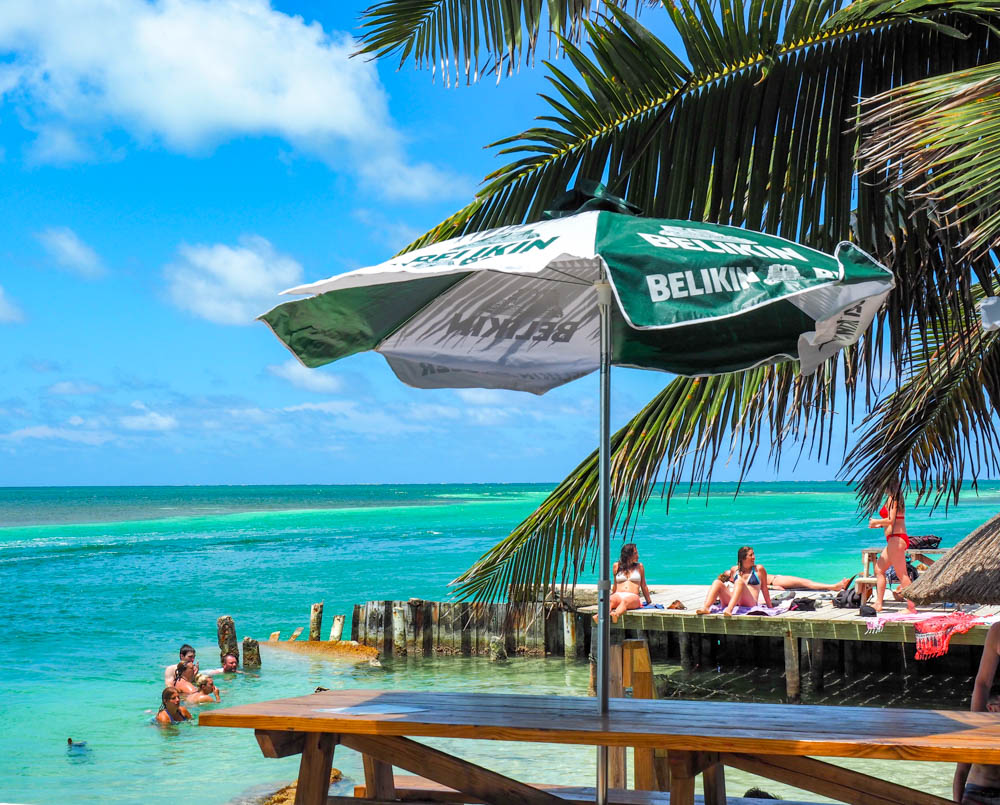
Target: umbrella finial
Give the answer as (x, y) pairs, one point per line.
(586, 196)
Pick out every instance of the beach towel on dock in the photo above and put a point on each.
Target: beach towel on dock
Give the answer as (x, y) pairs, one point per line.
(757, 610)
(876, 624)
(934, 634)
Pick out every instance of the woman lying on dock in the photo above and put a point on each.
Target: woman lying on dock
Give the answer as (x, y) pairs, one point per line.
(630, 579)
(743, 583)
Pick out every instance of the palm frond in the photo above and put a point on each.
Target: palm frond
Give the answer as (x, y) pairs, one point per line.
(471, 37)
(941, 138)
(939, 424)
(688, 425)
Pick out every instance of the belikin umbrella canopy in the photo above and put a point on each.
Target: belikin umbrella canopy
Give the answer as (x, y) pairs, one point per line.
(968, 574)
(534, 306)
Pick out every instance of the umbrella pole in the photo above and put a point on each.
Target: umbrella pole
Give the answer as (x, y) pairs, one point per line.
(604, 532)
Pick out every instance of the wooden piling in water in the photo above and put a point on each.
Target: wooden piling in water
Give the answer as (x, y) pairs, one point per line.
(793, 685)
(816, 665)
(315, 621)
(251, 653)
(399, 630)
(337, 630)
(227, 638)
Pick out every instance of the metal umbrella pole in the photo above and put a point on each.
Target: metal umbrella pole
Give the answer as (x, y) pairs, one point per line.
(604, 531)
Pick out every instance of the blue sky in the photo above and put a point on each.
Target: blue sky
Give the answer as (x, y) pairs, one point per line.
(165, 169)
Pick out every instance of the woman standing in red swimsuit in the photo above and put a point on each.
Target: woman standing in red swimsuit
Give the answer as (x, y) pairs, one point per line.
(892, 518)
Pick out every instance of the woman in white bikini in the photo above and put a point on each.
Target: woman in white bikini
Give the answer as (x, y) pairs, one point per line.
(630, 580)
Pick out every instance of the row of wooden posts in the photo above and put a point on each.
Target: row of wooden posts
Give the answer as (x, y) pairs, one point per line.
(418, 627)
(315, 627)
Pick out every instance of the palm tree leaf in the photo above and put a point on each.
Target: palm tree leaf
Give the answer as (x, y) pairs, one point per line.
(470, 37)
(942, 135)
(687, 425)
(939, 424)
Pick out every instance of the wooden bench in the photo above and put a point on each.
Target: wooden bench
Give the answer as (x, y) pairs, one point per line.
(414, 789)
(865, 582)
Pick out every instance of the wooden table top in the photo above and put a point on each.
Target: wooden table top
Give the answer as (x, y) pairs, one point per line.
(760, 729)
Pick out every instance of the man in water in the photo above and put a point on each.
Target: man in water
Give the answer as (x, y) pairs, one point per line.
(229, 666)
(186, 655)
(975, 783)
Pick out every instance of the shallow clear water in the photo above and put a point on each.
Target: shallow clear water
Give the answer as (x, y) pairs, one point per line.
(102, 585)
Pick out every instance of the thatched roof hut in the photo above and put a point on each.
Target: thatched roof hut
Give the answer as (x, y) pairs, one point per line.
(968, 574)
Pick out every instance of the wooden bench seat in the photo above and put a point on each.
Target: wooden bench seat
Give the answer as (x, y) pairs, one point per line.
(413, 789)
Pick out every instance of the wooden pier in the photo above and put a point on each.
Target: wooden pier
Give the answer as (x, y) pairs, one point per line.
(826, 640)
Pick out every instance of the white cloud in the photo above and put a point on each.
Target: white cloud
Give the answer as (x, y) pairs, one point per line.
(256, 415)
(350, 416)
(308, 379)
(65, 247)
(484, 396)
(489, 416)
(430, 412)
(48, 433)
(9, 312)
(73, 387)
(189, 74)
(148, 420)
(394, 234)
(230, 284)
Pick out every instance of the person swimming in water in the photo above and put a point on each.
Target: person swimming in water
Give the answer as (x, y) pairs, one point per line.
(171, 711)
(184, 675)
(207, 692)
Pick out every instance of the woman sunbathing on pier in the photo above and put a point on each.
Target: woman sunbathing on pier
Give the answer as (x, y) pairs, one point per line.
(630, 579)
(743, 583)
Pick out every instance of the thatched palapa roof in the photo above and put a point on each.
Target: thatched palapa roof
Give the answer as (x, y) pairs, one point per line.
(968, 574)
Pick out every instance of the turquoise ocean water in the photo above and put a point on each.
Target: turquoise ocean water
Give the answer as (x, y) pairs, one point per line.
(101, 585)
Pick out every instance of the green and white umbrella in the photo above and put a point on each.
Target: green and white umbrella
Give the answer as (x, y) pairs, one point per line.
(516, 308)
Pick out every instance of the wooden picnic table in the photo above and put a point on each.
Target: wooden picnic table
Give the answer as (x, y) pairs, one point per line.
(777, 741)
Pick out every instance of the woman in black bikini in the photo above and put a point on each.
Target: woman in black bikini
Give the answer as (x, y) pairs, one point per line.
(171, 711)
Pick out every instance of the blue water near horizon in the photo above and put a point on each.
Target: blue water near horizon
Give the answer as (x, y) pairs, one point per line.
(102, 584)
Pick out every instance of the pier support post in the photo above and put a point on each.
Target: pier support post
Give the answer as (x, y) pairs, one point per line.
(315, 621)
(337, 630)
(847, 653)
(399, 630)
(251, 653)
(793, 684)
(687, 660)
(816, 665)
(227, 638)
(569, 627)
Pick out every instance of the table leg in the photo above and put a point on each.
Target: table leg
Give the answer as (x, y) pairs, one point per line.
(314, 769)
(714, 781)
(378, 779)
(683, 768)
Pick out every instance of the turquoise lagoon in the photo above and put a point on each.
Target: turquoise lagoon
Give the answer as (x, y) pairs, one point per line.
(101, 585)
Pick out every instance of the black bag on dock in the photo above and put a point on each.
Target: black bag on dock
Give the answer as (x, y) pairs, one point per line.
(804, 604)
(847, 599)
(891, 578)
(927, 541)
